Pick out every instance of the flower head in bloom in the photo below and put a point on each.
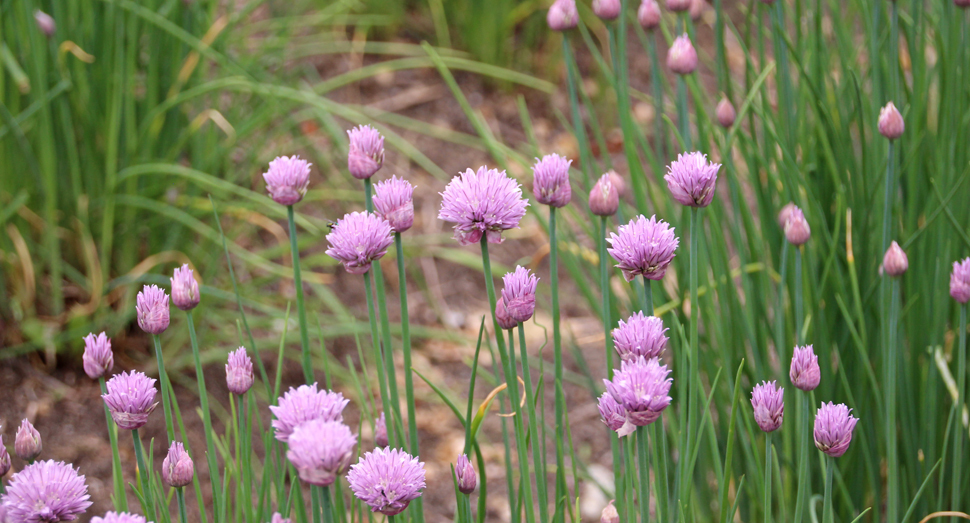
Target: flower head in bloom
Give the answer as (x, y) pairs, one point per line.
(321, 450)
(891, 124)
(503, 317)
(604, 199)
(278, 518)
(692, 179)
(797, 231)
(609, 514)
(480, 202)
(639, 336)
(465, 475)
(551, 180)
(366, 154)
(380, 431)
(805, 373)
(648, 14)
(185, 290)
(960, 281)
(725, 113)
(681, 57)
(27, 445)
(833, 428)
(642, 387)
(151, 305)
(119, 517)
(643, 248)
(768, 401)
(613, 415)
(4, 462)
(387, 480)
(177, 468)
(45, 492)
(130, 399)
(519, 294)
(98, 358)
(678, 5)
(305, 403)
(392, 201)
(562, 15)
(287, 179)
(239, 372)
(895, 263)
(358, 239)
(606, 9)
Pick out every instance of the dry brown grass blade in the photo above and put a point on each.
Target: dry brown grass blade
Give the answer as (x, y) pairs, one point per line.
(945, 513)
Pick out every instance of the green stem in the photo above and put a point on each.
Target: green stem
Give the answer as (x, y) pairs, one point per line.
(315, 503)
(418, 510)
(804, 474)
(780, 312)
(118, 479)
(146, 485)
(326, 506)
(892, 451)
(578, 125)
(646, 296)
(781, 52)
(378, 357)
(211, 458)
(799, 304)
(644, 467)
(683, 115)
(767, 503)
(165, 386)
(656, 77)
(300, 307)
(961, 433)
(694, 386)
(537, 458)
(829, 472)
(183, 517)
(557, 359)
(607, 295)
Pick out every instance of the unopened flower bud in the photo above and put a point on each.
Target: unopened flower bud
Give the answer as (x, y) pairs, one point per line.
(239, 372)
(681, 57)
(177, 468)
(895, 263)
(562, 15)
(961, 3)
(465, 475)
(27, 445)
(891, 124)
(45, 23)
(185, 289)
(607, 9)
(380, 431)
(648, 14)
(4, 459)
(797, 231)
(678, 5)
(784, 213)
(696, 9)
(725, 113)
(604, 199)
(609, 514)
(98, 358)
(366, 154)
(960, 281)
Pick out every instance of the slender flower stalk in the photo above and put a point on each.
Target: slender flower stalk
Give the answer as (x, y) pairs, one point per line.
(767, 400)
(300, 303)
(153, 318)
(144, 479)
(834, 425)
(118, 479)
(537, 458)
(166, 387)
(960, 291)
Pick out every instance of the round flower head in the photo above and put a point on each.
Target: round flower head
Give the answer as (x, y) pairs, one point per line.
(797, 231)
(503, 317)
(833, 428)
(891, 124)
(45, 492)
(805, 373)
(305, 403)
(641, 386)
(366, 154)
(562, 15)
(725, 113)
(278, 518)
(130, 399)
(606, 9)
(45, 23)
(604, 199)
(151, 305)
(681, 57)
(696, 9)
(648, 14)
(768, 401)
(678, 5)
(960, 281)
(4, 462)
(640, 336)
(119, 517)
(392, 201)
(380, 431)
(692, 179)
(519, 294)
(177, 468)
(387, 480)
(895, 263)
(185, 290)
(465, 475)
(551, 180)
(287, 179)
(643, 248)
(27, 445)
(613, 415)
(358, 239)
(239, 372)
(321, 450)
(482, 202)
(785, 213)
(609, 514)
(98, 358)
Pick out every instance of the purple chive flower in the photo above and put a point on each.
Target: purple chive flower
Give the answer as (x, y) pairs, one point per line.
(4, 462)
(503, 317)
(321, 450)
(119, 517)
(725, 113)
(480, 202)
(648, 14)
(692, 179)
(45, 23)
(550, 181)
(27, 445)
(768, 401)
(185, 290)
(607, 9)
(177, 468)
(681, 57)
(641, 386)
(614, 416)
(604, 199)
(891, 124)
(98, 358)
(805, 373)
(465, 475)
(696, 9)
(895, 263)
(46, 492)
(387, 480)
(358, 239)
(366, 154)
(519, 294)
(287, 179)
(640, 336)
(392, 201)
(239, 372)
(678, 5)
(785, 213)
(304, 404)
(961, 3)
(278, 518)
(960, 281)
(833, 428)
(643, 248)
(130, 399)
(380, 431)
(562, 15)
(609, 514)
(797, 231)
(151, 306)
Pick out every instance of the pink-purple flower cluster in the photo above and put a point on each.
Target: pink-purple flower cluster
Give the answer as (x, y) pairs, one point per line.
(393, 202)
(648, 14)
(287, 179)
(681, 57)
(519, 294)
(641, 386)
(151, 306)
(45, 492)
(366, 154)
(643, 248)
(98, 358)
(465, 475)
(805, 373)
(4, 461)
(613, 415)
(895, 262)
(239, 372)
(797, 231)
(640, 336)
(483, 202)
(562, 15)
(358, 239)
(768, 402)
(185, 289)
(834, 425)
(550, 181)
(177, 467)
(604, 199)
(380, 431)
(130, 399)
(303, 404)
(321, 450)
(692, 179)
(27, 444)
(960, 281)
(387, 480)
(119, 517)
